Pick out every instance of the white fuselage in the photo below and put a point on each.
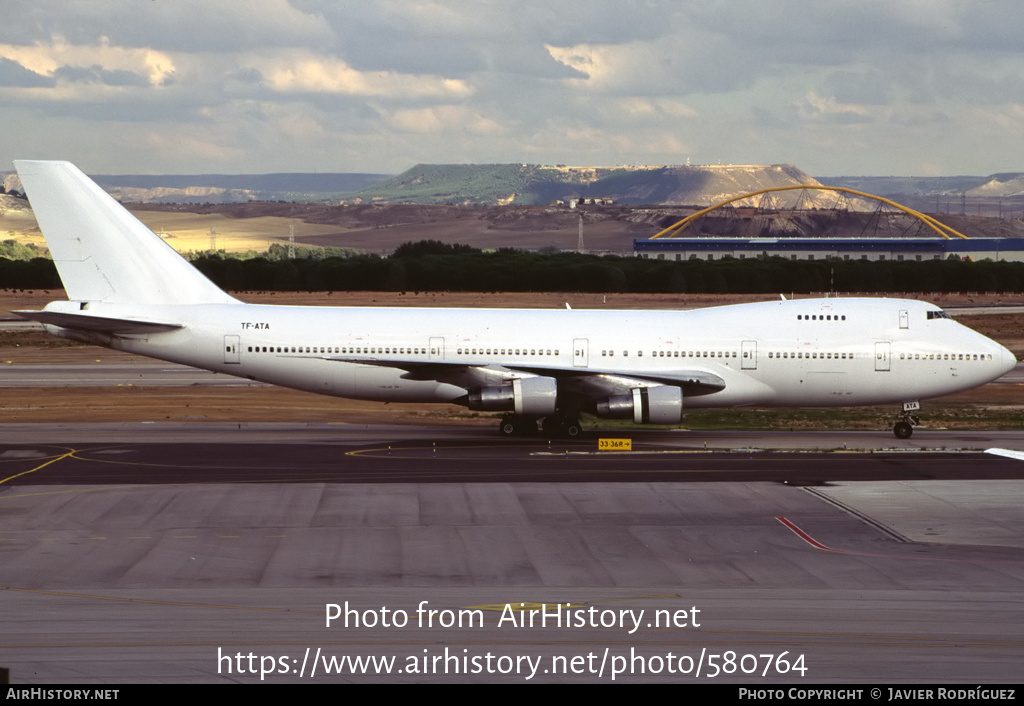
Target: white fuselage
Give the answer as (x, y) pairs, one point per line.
(811, 352)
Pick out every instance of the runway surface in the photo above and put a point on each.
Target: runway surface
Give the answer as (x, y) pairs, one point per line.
(173, 552)
(106, 374)
(481, 460)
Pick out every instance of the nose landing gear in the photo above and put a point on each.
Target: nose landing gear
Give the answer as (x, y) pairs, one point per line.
(904, 428)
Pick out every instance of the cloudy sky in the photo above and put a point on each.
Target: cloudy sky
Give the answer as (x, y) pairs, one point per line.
(931, 87)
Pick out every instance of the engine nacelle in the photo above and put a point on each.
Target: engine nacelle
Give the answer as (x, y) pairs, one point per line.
(531, 397)
(646, 405)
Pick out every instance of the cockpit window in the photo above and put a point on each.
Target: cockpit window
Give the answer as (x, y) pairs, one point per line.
(938, 315)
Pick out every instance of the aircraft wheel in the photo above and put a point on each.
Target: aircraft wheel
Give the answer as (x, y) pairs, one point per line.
(507, 427)
(561, 427)
(903, 430)
(514, 425)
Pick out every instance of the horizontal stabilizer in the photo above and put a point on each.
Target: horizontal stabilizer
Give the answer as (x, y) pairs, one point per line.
(99, 324)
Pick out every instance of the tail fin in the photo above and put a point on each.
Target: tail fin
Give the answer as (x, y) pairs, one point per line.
(102, 252)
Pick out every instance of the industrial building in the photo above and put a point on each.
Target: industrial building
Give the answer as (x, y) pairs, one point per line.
(875, 249)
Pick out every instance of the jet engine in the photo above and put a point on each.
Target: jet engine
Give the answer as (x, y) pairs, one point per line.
(530, 397)
(662, 404)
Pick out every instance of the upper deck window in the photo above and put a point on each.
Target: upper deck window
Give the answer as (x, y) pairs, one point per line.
(938, 315)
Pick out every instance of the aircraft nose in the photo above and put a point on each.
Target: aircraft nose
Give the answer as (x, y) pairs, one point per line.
(1007, 359)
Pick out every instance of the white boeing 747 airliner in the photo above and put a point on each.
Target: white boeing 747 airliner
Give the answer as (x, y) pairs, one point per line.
(130, 291)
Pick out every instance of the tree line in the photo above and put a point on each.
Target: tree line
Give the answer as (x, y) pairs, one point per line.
(432, 266)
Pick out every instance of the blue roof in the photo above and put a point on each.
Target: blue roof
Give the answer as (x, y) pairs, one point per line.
(933, 245)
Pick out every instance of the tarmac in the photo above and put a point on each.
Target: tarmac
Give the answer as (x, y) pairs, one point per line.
(182, 553)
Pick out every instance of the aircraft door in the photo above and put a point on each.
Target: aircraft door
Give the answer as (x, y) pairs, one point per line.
(748, 353)
(904, 319)
(437, 348)
(580, 352)
(882, 356)
(231, 349)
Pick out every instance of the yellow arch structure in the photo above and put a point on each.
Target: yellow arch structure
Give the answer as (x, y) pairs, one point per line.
(940, 228)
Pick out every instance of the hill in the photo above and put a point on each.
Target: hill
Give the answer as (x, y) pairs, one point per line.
(531, 184)
(1005, 185)
(996, 195)
(226, 188)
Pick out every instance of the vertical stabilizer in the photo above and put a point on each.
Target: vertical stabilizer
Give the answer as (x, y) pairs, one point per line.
(103, 253)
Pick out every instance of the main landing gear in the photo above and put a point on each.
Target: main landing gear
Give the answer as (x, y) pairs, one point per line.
(904, 428)
(561, 427)
(555, 426)
(516, 425)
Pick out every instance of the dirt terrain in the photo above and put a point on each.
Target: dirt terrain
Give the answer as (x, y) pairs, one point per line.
(991, 406)
(379, 228)
(382, 228)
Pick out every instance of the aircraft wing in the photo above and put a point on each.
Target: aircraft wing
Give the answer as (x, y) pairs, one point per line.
(693, 381)
(1008, 453)
(99, 324)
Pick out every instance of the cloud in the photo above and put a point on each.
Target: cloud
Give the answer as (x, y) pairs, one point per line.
(445, 119)
(268, 83)
(12, 73)
(313, 74)
(639, 108)
(825, 108)
(100, 59)
(171, 26)
(97, 74)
